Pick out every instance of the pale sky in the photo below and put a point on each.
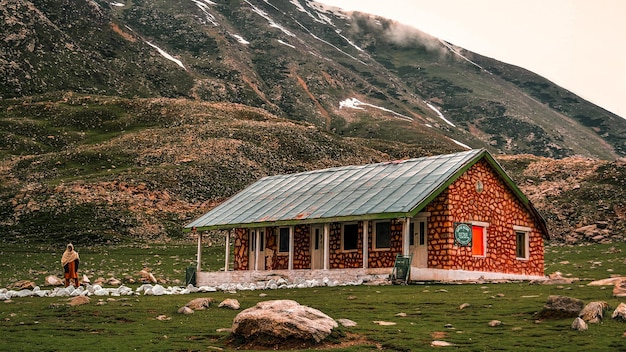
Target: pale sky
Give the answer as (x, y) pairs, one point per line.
(578, 44)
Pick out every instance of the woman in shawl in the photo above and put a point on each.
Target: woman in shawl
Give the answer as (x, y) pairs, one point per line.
(70, 262)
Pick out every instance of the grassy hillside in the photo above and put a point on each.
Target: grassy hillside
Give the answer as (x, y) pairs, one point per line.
(97, 169)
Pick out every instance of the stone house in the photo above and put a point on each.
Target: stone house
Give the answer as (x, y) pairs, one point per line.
(460, 216)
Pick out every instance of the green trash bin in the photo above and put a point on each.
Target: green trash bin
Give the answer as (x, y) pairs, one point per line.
(190, 276)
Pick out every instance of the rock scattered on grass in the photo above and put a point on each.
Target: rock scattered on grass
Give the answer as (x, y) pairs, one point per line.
(79, 301)
(230, 303)
(270, 322)
(439, 343)
(200, 303)
(185, 310)
(593, 311)
(346, 322)
(383, 323)
(579, 325)
(620, 312)
(495, 323)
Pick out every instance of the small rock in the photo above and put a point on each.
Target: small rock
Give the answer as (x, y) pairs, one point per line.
(351, 298)
(383, 323)
(200, 303)
(230, 303)
(163, 317)
(79, 301)
(464, 305)
(438, 343)
(52, 280)
(495, 323)
(346, 322)
(401, 315)
(620, 289)
(579, 324)
(185, 310)
(620, 312)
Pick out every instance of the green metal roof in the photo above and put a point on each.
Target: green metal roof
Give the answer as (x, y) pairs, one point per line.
(374, 191)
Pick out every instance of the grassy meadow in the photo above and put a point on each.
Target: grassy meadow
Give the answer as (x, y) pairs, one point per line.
(421, 312)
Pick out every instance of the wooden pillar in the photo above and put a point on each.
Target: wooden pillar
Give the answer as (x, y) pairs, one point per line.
(199, 255)
(365, 244)
(227, 254)
(406, 228)
(257, 248)
(326, 246)
(290, 265)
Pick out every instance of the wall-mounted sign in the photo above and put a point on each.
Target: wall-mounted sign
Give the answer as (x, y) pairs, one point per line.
(462, 234)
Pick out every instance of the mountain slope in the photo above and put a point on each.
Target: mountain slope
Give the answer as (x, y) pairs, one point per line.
(299, 60)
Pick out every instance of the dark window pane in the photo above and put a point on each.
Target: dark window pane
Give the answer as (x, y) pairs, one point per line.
(350, 237)
(383, 234)
(283, 240)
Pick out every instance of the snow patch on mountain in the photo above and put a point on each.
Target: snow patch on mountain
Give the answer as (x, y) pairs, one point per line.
(461, 144)
(269, 19)
(205, 9)
(285, 43)
(354, 103)
(167, 56)
(240, 39)
(434, 108)
(118, 4)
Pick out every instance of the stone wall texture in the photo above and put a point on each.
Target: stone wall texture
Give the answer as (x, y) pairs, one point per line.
(494, 205)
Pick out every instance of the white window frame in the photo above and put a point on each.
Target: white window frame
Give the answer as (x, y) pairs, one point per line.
(485, 226)
(526, 231)
(343, 234)
(374, 234)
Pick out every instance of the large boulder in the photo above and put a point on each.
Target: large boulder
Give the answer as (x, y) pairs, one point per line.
(559, 307)
(273, 322)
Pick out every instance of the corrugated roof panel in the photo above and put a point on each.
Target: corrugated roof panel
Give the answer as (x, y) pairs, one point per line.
(390, 187)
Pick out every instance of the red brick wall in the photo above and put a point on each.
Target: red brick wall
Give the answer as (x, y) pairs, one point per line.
(497, 206)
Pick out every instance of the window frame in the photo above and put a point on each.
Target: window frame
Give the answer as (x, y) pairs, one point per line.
(375, 235)
(524, 231)
(343, 235)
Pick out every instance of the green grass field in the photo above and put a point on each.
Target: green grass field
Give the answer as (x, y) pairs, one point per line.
(130, 323)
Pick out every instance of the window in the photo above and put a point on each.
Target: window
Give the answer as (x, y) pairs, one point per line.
(422, 240)
(382, 235)
(252, 237)
(478, 240)
(283, 240)
(521, 242)
(350, 237)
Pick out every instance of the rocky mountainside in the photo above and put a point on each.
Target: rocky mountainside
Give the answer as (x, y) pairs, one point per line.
(351, 74)
(96, 169)
(124, 121)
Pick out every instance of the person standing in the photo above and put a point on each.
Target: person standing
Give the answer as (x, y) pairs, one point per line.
(70, 261)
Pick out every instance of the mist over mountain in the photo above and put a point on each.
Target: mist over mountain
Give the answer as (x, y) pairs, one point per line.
(130, 118)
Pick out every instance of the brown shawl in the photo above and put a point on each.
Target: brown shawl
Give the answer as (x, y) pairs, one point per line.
(69, 255)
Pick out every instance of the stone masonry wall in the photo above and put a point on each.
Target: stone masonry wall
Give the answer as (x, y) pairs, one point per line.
(496, 206)
(241, 249)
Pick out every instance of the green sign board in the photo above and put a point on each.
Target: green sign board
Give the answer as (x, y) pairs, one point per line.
(463, 234)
